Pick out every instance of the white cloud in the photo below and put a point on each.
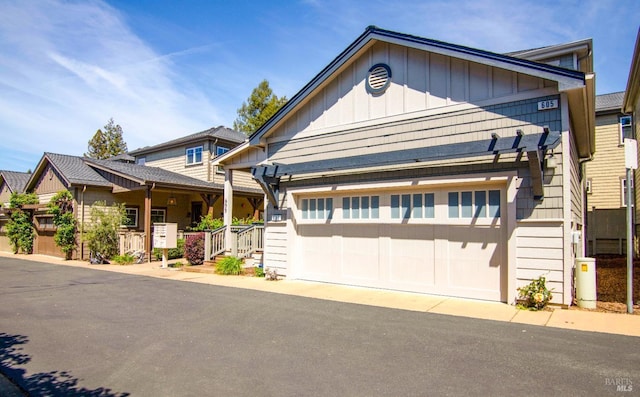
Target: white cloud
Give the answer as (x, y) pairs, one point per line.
(74, 65)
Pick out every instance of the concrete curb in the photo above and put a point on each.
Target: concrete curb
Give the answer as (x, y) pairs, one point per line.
(612, 323)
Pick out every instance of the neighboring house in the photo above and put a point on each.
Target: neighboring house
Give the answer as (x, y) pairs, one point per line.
(606, 179)
(150, 194)
(191, 156)
(631, 107)
(418, 165)
(10, 182)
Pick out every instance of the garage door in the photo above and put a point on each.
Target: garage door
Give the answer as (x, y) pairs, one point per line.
(448, 242)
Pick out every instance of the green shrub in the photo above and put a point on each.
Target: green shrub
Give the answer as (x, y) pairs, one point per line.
(177, 264)
(194, 248)
(101, 234)
(61, 206)
(126, 259)
(173, 253)
(20, 230)
(534, 296)
(230, 266)
(208, 222)
(259, 272)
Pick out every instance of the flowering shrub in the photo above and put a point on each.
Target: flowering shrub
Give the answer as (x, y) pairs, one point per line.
(534, 296)
(194, 248)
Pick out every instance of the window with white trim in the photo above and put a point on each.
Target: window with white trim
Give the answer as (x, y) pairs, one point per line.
(220, 150)
(131, 217)
(158, 215)
(626, 128)
(623, 191)
(361, 207)
(474, 204)
(194, 155)
(412, 206)
(317, 208)
(141, 160)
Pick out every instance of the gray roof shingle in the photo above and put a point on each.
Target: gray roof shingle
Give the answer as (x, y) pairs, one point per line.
(219, 132)
(611, 101)
(75, 170)
(16, 181)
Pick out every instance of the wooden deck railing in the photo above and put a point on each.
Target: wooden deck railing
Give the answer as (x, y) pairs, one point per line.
(247, 241)
(131, 242)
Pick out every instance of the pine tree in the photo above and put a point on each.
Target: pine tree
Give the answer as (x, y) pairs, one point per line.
(107, 143)
(259, 107)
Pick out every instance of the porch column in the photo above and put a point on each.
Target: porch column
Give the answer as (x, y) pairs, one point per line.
(147, 223)
(228, 208)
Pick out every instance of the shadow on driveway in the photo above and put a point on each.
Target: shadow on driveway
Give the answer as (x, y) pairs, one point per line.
(53, 383)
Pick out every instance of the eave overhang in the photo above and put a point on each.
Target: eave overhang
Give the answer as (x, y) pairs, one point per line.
(567, 79)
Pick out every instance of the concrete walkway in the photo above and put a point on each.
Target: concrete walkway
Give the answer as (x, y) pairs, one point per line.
(613, 323)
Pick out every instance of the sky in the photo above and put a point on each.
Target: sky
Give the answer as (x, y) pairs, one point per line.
(164, 69)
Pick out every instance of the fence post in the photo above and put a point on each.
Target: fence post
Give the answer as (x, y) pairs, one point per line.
(207, 245)
(234, 244)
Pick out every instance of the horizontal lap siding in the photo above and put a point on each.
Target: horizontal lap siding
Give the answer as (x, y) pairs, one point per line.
(607, 166)
(175, 160)
(452, 127)
(540, 252)
(276, 247)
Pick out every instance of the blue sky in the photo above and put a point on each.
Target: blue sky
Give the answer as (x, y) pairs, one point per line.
(165, 69)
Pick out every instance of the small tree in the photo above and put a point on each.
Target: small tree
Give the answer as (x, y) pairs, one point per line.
(259, 107)
(20, 230)
(61, 206)
(102, 233)
(107, 143)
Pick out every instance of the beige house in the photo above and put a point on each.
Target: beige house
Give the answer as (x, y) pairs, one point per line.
(191, 156)
(10, 182)
(605, 185)
(170, 182)
(417, 165)
(631, 107)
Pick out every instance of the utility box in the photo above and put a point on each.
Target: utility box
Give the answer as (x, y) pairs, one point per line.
(586, 291)
(165, 235)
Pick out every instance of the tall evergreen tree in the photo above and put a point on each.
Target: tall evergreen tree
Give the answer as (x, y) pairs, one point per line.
(259, 107)
(107, 143)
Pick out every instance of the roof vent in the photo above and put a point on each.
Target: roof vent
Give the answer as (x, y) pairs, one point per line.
(378, 78)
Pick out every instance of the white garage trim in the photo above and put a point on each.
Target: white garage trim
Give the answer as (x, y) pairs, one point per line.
(376, 234)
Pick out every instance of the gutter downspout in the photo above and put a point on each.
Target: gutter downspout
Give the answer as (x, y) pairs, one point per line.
(84, 188)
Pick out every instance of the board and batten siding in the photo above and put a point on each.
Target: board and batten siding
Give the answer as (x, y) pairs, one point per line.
(48, 184)
(420, 81)
(5, 193)
(539, 252)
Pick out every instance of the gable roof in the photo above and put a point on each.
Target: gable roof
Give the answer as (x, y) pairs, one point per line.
(609, 102)
(72, 169)
(219, 132)
(567, 79)
(16, 181)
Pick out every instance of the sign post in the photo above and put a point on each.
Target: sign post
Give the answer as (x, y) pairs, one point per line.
(631, 163)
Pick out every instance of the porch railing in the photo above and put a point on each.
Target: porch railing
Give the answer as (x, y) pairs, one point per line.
(247, 240)
(131, 241)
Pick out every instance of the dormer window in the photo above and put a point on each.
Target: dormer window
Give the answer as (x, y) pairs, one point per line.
(194, 155)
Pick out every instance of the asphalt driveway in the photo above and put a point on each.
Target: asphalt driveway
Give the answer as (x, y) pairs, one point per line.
(78, 331)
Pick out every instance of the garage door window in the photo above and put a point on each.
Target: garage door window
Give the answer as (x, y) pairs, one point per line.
(317, 208)
(361, 207)
(474, 204)
(416, 206)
